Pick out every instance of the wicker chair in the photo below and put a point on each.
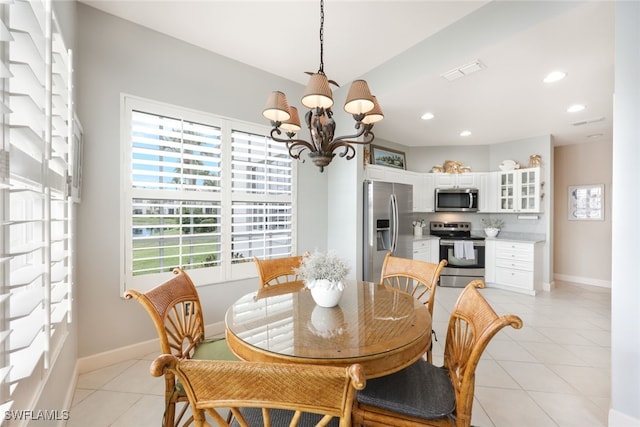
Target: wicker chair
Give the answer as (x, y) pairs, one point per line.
(269, 394)
(423, 394)
(419, 278)
(278, 272)
(174, 307)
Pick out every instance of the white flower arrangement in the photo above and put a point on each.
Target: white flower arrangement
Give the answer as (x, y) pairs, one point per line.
(322, 269)
(492, 223)
(419, 223)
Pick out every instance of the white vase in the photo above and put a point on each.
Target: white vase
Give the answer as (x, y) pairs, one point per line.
(417, 230)
(491, 231)
(326, 294)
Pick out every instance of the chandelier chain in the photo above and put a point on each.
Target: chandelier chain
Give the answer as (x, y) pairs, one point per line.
(321, 70)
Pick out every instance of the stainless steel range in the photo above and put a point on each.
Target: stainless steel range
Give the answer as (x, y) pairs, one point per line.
(464, 253)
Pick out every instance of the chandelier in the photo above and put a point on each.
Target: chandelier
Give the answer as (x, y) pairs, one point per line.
(318, 98)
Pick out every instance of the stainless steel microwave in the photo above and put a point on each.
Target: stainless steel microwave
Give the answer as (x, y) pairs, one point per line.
(456, 200)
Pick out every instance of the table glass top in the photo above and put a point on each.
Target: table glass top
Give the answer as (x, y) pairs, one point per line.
(369, 320)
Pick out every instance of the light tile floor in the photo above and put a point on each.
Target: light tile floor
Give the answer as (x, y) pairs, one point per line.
(555, 371)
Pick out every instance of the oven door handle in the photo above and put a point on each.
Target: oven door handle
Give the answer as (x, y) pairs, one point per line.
(451, 242)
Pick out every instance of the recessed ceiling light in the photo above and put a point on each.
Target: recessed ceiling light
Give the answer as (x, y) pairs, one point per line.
(554, 76)
(427, 116)
(575, 108)
(465, 133)
(595, 135)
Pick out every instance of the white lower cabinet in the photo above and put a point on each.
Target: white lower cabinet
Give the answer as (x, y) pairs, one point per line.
(514, 265)
(426, 250)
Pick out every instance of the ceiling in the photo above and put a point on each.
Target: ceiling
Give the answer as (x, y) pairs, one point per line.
(403, 47)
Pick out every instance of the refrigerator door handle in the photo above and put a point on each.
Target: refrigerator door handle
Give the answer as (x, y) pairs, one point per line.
(394, 221)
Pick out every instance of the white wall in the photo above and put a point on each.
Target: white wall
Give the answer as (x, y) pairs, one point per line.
(625, 283)
(115, 56)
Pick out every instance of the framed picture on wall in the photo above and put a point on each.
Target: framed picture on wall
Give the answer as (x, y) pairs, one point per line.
(387, 157)
(586, 202)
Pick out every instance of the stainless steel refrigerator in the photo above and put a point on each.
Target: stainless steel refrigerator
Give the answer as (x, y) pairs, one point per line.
(388, 211)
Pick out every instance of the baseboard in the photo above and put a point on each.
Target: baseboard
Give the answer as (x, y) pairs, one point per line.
(111, 357)
(583, 280)
(71, 391)
(618, 419)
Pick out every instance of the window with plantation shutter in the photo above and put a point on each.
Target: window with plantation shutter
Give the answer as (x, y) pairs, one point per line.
(262, 189)
(36, 288)
(203, 193)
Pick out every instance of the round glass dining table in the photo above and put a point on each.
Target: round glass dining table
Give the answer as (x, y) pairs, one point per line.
(383, 329)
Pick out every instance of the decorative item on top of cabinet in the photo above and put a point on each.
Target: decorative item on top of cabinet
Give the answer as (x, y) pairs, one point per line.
(509, 165)
(451, 166)
(388, 157)
(535, 160)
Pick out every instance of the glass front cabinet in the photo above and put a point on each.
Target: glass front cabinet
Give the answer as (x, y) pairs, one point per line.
(519, 190)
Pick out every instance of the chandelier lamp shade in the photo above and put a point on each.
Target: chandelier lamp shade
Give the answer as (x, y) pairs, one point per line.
(318, 98)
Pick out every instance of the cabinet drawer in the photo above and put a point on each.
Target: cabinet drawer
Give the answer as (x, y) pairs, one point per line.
(421, 245)
(422, 256)
(515, 251)
(511, 277)
(514, 263)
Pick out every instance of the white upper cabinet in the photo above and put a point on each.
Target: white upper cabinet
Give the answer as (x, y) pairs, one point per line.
(388, 174)
(456, 180)
(487, 195)
(423, 197)
(422, 184)
(519, 190)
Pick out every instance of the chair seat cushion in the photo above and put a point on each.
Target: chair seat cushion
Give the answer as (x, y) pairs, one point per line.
(212, 349)
(421, 390)
(282, 417)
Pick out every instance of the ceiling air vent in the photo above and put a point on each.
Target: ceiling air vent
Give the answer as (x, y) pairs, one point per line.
(585, 122)
(463, 70)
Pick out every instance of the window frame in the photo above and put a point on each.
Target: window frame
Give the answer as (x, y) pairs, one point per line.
(227, 271)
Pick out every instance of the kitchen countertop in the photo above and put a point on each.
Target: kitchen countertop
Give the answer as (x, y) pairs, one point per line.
(518, 237)
(502, 236)
(425, 237)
